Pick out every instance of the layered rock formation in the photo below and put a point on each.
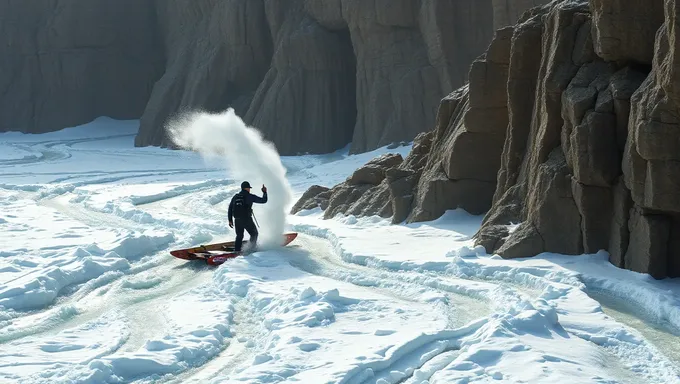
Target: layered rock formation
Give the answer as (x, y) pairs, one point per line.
(573, 146)
(453, 166)
(216, 54)
(313, 75)
(64, 63)
(384, 186)
(582, 157)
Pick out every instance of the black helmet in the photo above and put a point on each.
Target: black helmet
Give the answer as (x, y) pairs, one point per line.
(245, 185)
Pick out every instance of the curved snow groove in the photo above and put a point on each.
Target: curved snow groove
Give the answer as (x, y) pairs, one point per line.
(471, 300)
(560, 287)
(188, 345)
(178, 191)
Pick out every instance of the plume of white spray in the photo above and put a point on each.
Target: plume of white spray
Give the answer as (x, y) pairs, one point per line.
(248, 157)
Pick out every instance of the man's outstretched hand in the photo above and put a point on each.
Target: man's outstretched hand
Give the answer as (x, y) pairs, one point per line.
(264, 189)
(231, 224)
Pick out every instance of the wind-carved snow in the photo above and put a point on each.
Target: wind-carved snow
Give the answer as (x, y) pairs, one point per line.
(89, 293)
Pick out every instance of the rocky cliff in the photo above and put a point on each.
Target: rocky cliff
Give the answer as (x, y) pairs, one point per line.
(64, 63)
(313, 75)
(566, 136)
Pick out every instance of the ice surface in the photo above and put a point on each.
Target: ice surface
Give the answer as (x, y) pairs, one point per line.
(89, 293)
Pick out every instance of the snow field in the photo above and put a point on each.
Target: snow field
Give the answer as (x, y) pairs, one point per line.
(88, 293)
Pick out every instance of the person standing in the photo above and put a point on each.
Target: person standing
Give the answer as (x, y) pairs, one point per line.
(241, 214)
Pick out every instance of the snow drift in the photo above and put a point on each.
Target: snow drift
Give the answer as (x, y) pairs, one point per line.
(247, 156)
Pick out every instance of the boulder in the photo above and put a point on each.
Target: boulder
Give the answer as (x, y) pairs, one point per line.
(492, 237)
(315, 196)
(525, 241)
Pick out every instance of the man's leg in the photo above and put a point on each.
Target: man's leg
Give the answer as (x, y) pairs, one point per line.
(252, 231)
(238, 225)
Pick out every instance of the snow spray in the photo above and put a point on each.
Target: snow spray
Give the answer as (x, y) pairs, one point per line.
(248, 157)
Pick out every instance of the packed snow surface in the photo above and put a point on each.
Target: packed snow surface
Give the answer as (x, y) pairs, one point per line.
(90, 294)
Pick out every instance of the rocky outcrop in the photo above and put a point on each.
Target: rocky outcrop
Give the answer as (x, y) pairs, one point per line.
(468, 139)
(594, 170)
(385, 186)
(64, 63)
(364, 193)
(573, 146)
(313, 75)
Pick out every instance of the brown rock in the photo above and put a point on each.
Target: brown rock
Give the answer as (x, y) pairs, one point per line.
(525, 241)
(525, 62)
(562, 25)
(595, 154)
(401, 183)
(313, 75)
(595, 206)
(648, 248)
(625, 29)
(492, 237)
(620, 234)
(436, 195)
(551, 208)
(507, 209)
(650, 163)
(623, 84)
(374, 171)
(466, 151)
(419, 154)
(583, 48)
(473, 156)
(312, 198)
(343, 197)
(375, 201)
(367, 175)
(673, 268)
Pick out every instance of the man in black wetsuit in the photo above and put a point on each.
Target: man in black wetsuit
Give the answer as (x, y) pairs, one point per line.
(241, 209)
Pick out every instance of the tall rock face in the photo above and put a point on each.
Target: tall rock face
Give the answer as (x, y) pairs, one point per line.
(568, 130)
(306, 102)
(313, 75)
(453, 166)
(64, 63)
(588, 163)
(217, 52)
(409, 54)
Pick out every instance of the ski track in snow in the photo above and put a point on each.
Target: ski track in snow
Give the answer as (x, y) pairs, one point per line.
(89, 293)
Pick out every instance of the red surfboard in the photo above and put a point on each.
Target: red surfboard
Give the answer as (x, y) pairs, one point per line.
(218, 253)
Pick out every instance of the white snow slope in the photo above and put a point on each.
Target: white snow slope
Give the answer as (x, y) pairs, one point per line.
(90, 294)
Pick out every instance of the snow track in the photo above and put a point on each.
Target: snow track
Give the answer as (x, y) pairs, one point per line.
(89, 293)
